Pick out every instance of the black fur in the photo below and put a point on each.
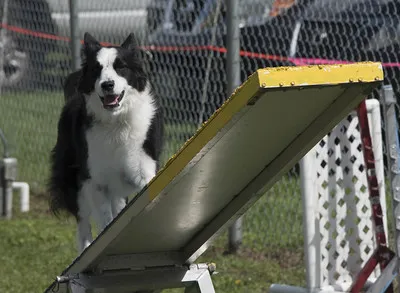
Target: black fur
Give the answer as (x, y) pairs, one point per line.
(69, 155)
(71, 85)
(153, 144)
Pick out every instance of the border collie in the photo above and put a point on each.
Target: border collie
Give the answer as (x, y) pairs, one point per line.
(110, 135)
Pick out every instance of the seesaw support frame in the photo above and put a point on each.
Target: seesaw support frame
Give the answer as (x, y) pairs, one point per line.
(231, 161)
(195, 278)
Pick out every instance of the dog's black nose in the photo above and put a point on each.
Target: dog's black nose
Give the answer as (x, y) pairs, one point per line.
(107, 85)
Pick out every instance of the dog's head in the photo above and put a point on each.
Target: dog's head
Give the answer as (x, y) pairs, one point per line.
(111, 76)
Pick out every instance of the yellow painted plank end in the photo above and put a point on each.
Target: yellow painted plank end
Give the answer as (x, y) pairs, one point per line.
(320, 74)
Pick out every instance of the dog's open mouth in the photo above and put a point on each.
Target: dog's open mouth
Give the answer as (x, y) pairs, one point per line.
(111, 101)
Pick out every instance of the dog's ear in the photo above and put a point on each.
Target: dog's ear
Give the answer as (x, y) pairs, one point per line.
(130, 43)
(90, 44)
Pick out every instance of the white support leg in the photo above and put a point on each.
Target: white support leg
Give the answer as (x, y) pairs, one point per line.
(23, 189)
(204, 284)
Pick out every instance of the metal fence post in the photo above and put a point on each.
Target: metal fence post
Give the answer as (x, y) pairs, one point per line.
(4, 21)
(3, 192)
(8, 174)
(203, 98)
(75, 39)
(233, 81)
(393, 153)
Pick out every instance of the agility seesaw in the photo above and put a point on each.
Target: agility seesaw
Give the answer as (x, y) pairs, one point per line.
(267, 125)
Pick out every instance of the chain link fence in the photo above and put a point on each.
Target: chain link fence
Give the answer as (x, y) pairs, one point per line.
(185, 43)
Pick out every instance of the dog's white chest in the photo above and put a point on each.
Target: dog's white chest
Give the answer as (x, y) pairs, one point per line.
(117, 161)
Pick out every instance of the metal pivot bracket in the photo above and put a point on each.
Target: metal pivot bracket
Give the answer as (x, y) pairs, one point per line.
(8, 174)
(195, 278)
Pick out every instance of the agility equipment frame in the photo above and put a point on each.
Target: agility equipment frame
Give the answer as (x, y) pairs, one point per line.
(233, 159)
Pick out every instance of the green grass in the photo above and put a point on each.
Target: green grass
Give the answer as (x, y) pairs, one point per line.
(30, 123)
(35, 247)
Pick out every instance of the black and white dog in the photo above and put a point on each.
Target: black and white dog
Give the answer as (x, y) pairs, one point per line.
(110, 135)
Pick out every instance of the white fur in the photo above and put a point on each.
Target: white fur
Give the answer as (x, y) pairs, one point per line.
(117, 162)
(106, 57)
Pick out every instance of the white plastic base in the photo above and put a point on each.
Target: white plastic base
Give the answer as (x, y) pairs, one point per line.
(23, 189)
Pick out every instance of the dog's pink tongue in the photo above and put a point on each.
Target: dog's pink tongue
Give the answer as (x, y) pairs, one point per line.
(110, 100)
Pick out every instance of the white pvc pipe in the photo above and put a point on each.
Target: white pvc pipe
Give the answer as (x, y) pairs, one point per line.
(310, 221)
(23, 188)
(375, 126)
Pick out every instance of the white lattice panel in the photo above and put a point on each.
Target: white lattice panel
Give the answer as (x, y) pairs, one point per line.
(344, 227)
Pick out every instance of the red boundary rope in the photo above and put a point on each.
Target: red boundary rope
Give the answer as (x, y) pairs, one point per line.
(296, 61)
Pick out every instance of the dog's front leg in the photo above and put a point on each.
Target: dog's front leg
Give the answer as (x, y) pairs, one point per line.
(101, 207)
(84, 233)
(117, 205)
(146, 172)
(84, 229)
(102, 212)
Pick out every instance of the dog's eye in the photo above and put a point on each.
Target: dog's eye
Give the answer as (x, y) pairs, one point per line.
(119, 64)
